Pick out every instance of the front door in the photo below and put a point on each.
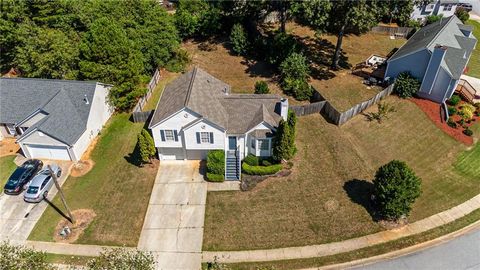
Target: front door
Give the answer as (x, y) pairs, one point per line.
(232, 143)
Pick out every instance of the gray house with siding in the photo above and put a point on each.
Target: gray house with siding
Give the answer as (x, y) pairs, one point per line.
(437, 55)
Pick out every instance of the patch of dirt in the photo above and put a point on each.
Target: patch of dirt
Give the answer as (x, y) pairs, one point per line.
(8, 147)
(88, 152)
(393, 224)
(82, 167)
(331, 205)
(82, 217)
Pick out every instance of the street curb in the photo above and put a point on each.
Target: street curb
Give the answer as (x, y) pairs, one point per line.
(401, 252)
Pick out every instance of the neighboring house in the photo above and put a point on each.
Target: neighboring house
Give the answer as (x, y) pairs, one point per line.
(446, 8)
(437, 55)
(53, 119)
(197, 113)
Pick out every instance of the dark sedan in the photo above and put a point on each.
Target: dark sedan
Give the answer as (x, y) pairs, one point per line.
(21, 176)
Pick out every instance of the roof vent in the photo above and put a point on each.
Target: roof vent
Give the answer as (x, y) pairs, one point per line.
(86, 100)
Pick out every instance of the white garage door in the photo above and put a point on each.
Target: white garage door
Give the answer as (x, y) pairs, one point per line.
(48, 152)
(197, 154)
(171, 153)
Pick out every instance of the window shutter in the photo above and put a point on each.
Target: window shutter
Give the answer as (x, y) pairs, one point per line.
(211, 137)
(198, 137)
(175, 134)
(162, 134)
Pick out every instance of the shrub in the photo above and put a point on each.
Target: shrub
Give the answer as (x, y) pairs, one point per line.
(279, 47)
(261, 87)
(215, 164)
(467, 111)
(266, 162)
(251, 160)
(284, 141)
(239, 40)
(406, 85)
(454, 100)
(260, 170)
(462, 14)
(19, 257)
(294, 72)
(121, 259)
(179, 61)
(468, 132)
(215, 177)
(452, 110)
(383, 110)
(396, 187)
(433, 18)
(451, 123)
(146, 146)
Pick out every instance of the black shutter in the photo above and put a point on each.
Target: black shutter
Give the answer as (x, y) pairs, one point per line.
(162, 134)
(211, 137)
(175, 134)
(198, 137)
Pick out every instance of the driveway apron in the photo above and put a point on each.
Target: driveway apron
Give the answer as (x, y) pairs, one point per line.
(173, 226)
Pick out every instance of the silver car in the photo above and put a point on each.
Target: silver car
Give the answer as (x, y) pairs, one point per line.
(40, 185)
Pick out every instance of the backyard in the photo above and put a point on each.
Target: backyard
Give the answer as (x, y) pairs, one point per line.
(474, 63)
(116, 189)
(326, 198)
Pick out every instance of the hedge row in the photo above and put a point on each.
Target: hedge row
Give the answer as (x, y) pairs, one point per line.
(216, 165)
(261, 170)
(215, 177)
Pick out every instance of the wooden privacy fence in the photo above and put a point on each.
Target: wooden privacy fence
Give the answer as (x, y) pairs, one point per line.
(309, 108)
(141, 116)
(151, 85)
(392, 30)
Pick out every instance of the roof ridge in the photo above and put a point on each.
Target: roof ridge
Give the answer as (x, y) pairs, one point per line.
(54, 80)
(441, 30)
(190, 85)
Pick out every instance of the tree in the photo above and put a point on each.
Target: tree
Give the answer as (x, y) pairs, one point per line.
(146, 146)
(239, 39)
(46, 53)
(284, 141)
(294, 72)
(261, 87)
(406, 85)
(197, 18)
(397, 10)
(122, 259)
(396, 187)
(433, 18)
(462, 14)
(22, 258)
(279, 47)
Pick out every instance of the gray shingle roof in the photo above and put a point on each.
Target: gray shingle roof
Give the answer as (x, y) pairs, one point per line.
(445, 32)
(211, 98)
(62, 100)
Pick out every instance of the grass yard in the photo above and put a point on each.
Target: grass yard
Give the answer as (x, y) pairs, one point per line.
(474, 63)
(116, 189)
(326, 198)
(6, 168)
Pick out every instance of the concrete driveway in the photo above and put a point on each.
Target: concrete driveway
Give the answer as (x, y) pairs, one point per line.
(173, 227)
(17, 218)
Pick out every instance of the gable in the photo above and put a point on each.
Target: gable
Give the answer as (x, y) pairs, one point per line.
(37, 137)
(177, 120)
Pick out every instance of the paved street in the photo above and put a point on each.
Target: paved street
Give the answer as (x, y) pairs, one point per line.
(17, 218)
(462, 253)
(173, 227)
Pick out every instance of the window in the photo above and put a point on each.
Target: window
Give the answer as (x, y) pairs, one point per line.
(447, 7)
(253, 144)
(169, 136)
(264, 145)
(205, 137)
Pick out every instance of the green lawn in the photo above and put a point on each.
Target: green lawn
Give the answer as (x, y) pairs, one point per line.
(6, 168)
(474, 63)
(326, 198)
(117, 190)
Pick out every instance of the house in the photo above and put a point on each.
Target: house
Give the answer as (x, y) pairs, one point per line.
(437, 55)
(197, 113)
(53, 119)
(446, 8)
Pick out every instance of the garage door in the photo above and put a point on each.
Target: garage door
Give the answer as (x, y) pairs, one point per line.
(48, 152)
(171, 153)
(197, 154)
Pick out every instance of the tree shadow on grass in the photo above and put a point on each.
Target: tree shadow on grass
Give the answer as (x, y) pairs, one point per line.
(64, 215)
(134, 157)
(360, 192)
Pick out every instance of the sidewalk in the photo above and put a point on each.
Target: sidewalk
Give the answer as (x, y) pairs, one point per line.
(347, 245)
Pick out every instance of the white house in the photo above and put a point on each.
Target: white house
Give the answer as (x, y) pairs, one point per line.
(437, 55)
(446, 8)
(53, 119)
(197, 113)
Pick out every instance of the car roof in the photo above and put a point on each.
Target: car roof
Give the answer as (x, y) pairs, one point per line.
(38, 179)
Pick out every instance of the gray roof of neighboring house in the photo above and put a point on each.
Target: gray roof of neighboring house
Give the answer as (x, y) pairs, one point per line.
(445, 32)
(63, 101)
(211, 98)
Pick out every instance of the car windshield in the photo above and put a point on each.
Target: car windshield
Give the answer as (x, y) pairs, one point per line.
(32, 190)
(15, 177)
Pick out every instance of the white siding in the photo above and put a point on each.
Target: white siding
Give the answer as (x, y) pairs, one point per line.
(175, 122)
(190, 136)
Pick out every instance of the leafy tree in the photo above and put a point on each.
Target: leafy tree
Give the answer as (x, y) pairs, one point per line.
(197, 18)
(146, 146)
(46, 53)
(239, 39)
(433, 18)
(396, 187)
(22, 258)
(122, 259)
(384, 109)
(397, 10)
(261, 87)
(462, 14)
(295, 71)
(406, 85)
(279, 47)
(284, 141)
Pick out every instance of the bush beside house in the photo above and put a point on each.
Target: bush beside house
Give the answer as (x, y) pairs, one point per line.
(406, 85)
(216, 166)
(146, 146)
(284, 142)
(261, 170)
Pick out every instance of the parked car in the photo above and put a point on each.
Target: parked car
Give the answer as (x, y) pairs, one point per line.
(21, 176)
(41, 184)
(466, 6)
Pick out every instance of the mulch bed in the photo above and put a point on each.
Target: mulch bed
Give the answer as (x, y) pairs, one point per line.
(432, 110)
(83, 218)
